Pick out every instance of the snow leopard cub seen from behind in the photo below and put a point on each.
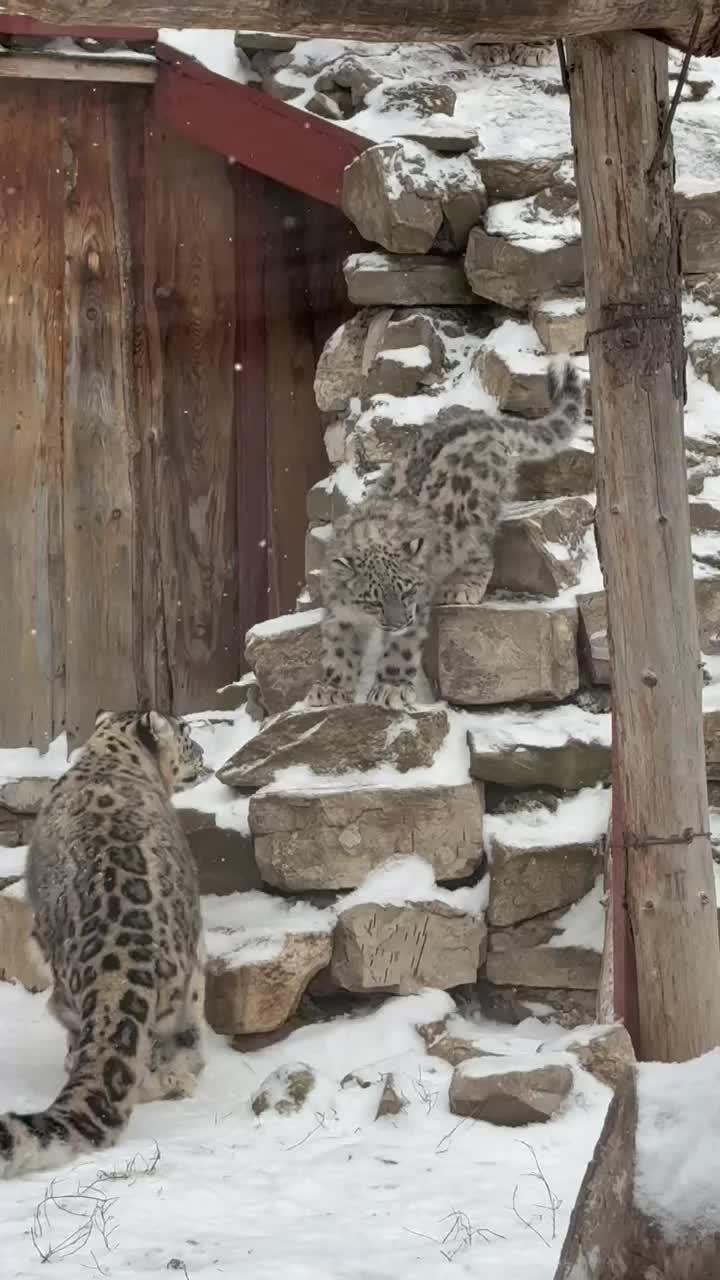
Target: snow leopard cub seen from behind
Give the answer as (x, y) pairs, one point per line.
(114, 888)
(425, 534)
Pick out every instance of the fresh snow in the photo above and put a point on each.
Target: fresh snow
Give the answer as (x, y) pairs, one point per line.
(583, 924)
(12, 860)
(449, 768)
(328, 1194)
(251, 928)
(677, 1170)
(526, 223)
(561, 306)
(581, 818)
(214, 49)
(553, 727)
(288, 622)
(417, 357)
(411, 879)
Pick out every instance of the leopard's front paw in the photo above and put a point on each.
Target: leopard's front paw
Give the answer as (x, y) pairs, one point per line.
(462, 593)
(325, 695)
(394, 696)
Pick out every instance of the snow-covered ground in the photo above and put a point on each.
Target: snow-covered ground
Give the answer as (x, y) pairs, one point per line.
(329, 1194)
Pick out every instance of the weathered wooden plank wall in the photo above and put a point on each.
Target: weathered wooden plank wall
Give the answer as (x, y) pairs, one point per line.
(164, 312)
(304, 300)
(32, 595)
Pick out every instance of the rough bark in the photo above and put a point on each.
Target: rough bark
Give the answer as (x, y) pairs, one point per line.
(488, 20)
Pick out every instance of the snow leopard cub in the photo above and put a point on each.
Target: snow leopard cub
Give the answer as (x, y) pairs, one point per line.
(526, 53)
(425, 534)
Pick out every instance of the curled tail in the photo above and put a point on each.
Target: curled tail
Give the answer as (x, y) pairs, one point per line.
(548, 435)
(94, 1106)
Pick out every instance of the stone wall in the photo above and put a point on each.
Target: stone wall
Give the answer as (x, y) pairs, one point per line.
(460, 845)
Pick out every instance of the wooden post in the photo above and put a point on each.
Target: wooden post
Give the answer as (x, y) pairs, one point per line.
(619, 93)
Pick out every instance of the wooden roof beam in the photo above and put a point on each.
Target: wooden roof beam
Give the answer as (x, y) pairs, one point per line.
(435, 20)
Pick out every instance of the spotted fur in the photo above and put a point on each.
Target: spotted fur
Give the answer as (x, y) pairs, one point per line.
(114, 888)
(520, 53)
(425, 534)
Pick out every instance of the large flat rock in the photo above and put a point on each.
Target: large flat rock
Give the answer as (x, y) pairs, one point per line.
(563, 968)
(403, 948)
(332, 839)
(569, 767)
(389, 280)
(512, 274)
(337, 740)
(564, 748)
(489, 654)
(507, 178)
(508, 1097)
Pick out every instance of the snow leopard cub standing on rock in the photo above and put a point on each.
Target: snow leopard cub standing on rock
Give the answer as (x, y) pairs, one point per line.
(113, 885)
(425, 534)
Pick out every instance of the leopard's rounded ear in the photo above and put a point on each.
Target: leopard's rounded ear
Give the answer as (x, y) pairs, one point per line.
(342, 566)
(158, 725)
(102, 717)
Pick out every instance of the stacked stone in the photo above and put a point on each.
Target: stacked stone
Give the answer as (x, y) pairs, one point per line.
(476, 281)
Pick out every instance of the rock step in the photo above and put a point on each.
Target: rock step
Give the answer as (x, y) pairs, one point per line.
(390, 280)
(480, 1091)
(403, 948)
(484, 655)
(337, 740)
(593, 625)
(332, 839)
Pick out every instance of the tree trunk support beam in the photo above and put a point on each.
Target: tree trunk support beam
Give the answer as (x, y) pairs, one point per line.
(619, 94)
(434, 20)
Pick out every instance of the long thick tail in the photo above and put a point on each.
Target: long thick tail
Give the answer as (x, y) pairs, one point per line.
(547, 435)
(94, 1106)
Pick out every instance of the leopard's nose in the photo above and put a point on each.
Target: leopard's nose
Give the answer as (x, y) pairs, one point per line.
(394, 615)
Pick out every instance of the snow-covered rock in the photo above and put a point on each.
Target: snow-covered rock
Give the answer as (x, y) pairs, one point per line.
(481, 1092)
(492, 653)
(337, 740)
(401, 195)
(284, 654)
(332, 838)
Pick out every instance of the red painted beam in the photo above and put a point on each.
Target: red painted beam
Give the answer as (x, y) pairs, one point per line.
(271, 137)
(15, 26)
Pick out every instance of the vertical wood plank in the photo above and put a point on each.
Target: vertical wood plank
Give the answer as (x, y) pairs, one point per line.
(296, 452)
(250, 397)
(98, 432)
(31, 555)
(193, 214)
(151, 659)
